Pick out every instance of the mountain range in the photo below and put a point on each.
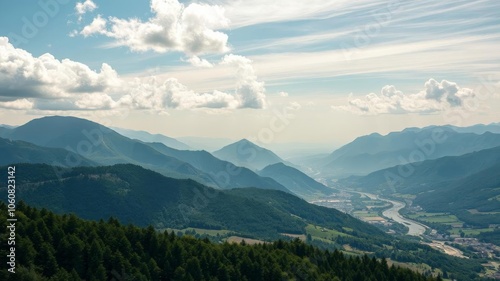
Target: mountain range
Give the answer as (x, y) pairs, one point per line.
(374, 152)
(104, 146)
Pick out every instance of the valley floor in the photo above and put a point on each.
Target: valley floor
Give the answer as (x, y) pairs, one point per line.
(385, 213)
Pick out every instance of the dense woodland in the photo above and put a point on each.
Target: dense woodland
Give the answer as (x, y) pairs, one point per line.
(64, 247)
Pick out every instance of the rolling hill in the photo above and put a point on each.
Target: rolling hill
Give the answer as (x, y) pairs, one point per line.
(244, 153)
(296, 181)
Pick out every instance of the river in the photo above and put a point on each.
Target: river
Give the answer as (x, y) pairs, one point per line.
(414, 228)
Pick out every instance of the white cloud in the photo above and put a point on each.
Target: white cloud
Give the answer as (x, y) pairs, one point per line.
(82, 8)
(17, 104)
(46, 83)
(248, 89)
(434, 98)
(156, 95)
(199, 62)
(174, 27)
(283, 94)
(98, 26)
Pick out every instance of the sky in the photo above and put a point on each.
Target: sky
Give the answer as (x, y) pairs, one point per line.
(319, 72)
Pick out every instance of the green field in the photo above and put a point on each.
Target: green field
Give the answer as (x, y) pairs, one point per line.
(470, 231)
(324, 233)
(442, 218)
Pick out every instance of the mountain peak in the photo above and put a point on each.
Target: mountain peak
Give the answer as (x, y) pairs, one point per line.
(247, 154)
(245, 141)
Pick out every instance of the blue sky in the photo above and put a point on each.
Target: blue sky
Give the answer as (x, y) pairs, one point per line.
(335, 69)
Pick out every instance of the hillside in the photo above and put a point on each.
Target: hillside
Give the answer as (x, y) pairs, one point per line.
(244, 153)
(475, 199)
(124, 191)
(24, 152)
(375, 152)
(69, 248)
(296, 181)
(138, 196)
(141, 197)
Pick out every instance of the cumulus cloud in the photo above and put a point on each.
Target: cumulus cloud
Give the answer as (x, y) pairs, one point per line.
(436, 96)
(283, 94)
(46, 83)
(82, 8)
(190, 29)
(248, 88)
(199, 62)
(46, 77)
(17, 104)
(98, 25)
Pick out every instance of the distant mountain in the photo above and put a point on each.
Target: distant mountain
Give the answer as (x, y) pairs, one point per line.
(148, 137)
(205, 143)
(224, 174)
(416, 178)
(142, 197)
(247, 154)
(101, 144)
(478, 129)
(7, 126)
(23, 152)
(375, 152)
(296, 181)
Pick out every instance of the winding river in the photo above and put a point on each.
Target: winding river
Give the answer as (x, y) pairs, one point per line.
(414, 228)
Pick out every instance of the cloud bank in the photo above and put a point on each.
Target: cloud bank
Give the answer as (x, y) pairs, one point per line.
(46, 83)
(436, 96)
(190, 29)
